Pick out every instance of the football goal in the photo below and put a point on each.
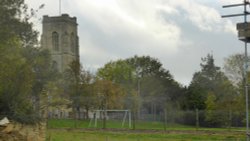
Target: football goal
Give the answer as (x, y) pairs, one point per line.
(118, 115)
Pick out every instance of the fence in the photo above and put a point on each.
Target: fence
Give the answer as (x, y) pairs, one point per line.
(157, 120)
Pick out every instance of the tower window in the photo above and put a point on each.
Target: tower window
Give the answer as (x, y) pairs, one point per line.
(65, 42)
(55, 41)
(72, 42)
(55, 65)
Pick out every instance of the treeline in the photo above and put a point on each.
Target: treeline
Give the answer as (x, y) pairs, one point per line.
(142, 85)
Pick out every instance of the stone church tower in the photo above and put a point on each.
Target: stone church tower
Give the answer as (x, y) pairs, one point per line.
(59, 35)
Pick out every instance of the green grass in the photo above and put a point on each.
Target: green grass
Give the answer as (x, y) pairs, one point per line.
(64, 130)
(74, 135)
(69, 123)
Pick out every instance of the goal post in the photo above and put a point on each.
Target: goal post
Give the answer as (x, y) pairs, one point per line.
(99, 114)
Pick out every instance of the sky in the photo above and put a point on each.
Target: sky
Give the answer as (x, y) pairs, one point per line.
(176, 32)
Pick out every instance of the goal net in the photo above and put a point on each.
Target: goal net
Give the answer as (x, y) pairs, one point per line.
(124, 116)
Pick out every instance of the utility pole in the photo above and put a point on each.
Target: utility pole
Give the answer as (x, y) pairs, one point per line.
(243, 35)
(60, 6)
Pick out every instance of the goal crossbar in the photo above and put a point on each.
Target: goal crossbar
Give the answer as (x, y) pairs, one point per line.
(127, 113)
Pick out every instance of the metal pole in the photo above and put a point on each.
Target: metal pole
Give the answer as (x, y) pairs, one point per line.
(246, 75)
(139, 98)
(59, 7)
(246, 92)
(246, 2)
(129, 115)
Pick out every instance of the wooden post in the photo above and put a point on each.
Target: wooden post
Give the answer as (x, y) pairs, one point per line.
(230, 119)
(165, 119)
(134, 119)
(197, 118)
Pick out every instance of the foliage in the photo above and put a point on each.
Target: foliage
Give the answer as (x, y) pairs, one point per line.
(44, 73)
(195, 97)
(118, 72)
(110, 95)
(15, 22)
(211, 90)
(79, 85)
(72, 78)
(145, 81)
(25, 69)
(234, 68)
(211, 116)
(157, 86)
(16, 80)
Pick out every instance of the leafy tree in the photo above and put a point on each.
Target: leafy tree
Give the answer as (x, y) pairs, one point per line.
(44, 73)
(203, 82)
(72, 78)
(88, 94)
(110, 94)
(195, 97)
(234, 68)
(23, 72)
(80, 86)
(211, 115)
(211, 90)
(157, 85)
(15, 22)
(120, 73)
(146, 83)
(16, 81)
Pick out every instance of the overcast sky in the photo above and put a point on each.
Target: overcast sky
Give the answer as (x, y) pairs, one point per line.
(177, 32)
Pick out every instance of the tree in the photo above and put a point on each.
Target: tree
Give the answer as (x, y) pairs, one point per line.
(110, 96)
(80, 86)
(72, 77)
(203, 82)
(211, 115)
(44, 73)
(195, 97)
(120, 73)
(146, 82)
(23, 72)
(16, 80)
(211, 90)
(157, 86)
(15, 22)
(88, 94)
(234, 69)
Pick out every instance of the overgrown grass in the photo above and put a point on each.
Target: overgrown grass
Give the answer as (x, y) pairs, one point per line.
(65, 130)
(69, 123)
(74, 135)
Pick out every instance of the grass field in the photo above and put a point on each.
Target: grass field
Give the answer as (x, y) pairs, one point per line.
(63, 130)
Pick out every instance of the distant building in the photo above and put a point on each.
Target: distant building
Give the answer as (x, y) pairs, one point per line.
(59, 35)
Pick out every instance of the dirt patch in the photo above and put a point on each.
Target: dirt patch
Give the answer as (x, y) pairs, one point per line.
(12, 136)
(19, 132)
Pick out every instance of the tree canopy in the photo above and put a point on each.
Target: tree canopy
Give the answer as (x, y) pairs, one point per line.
(145, 80)
(25, 68)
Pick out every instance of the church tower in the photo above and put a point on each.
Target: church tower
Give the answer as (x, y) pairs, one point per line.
(59, 35)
